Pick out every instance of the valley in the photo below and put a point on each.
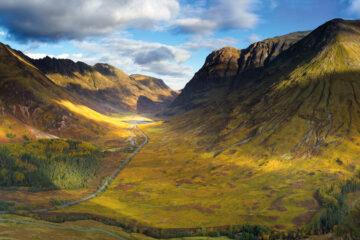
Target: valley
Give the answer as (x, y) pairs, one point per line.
(262, 143)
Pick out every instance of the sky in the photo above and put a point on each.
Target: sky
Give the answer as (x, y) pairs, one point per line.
(168, 39)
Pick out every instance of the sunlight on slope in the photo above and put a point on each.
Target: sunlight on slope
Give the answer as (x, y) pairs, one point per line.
(93, 115)
(21, 59)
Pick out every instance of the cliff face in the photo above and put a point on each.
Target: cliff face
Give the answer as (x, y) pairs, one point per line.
(223, 66)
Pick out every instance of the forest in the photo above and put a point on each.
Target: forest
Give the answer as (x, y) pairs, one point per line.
(336, 215)
(48, 164)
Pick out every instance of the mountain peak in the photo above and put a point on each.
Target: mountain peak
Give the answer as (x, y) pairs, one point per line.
(67, 67)
(223, 66)
(105, 69)
(336, 20)
(334, 33)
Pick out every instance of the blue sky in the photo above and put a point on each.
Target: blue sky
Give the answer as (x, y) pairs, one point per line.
(169, 39)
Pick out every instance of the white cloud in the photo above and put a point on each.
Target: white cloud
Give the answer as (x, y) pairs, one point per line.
(209, 43)
(253, 38)
(221, 15)
(195, 25)
(54, 20)
(74, 56)
(2, 33)
(37, 55)
(134, 56)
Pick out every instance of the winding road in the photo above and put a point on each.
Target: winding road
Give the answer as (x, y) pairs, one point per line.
(107, 183)
(101, 189)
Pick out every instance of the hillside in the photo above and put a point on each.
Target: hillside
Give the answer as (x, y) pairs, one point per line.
(106, 88)
(30, 101)
(53, 97)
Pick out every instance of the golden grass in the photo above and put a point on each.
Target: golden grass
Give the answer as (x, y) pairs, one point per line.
(173, 185)
(96, 116)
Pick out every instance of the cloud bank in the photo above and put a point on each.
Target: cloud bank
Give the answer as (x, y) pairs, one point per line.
(52, 20)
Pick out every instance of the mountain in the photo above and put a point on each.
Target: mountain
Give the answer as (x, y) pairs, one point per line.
(35, 95)
(303, 101)
(107, 87)
(30, 101)
(147, 103)
(223, 66)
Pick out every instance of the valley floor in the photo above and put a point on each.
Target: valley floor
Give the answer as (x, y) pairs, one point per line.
(174, 183)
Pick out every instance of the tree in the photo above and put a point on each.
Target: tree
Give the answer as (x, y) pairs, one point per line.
(18, 177)
(4, 174)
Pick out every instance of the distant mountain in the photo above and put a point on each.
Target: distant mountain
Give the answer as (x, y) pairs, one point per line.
(107, 86)
(31, 92)
(147, 103)
(301, 99)
(28, 96)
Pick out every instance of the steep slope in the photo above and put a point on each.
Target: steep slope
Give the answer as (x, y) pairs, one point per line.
(223, 66)
(106, 88)
(32, 100)
(306, 101)
(311, 87)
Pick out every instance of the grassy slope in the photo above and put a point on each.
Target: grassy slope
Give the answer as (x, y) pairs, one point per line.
(29, 96)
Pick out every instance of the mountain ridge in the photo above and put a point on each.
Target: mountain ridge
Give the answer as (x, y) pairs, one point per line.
(230, 63)
(105, 83)
(34, 100)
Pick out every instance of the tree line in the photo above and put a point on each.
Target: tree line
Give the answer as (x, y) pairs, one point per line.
(336, 215)
(49, 164)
